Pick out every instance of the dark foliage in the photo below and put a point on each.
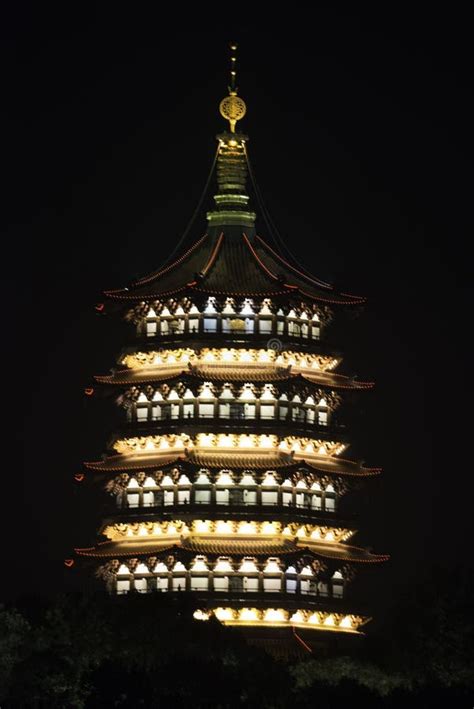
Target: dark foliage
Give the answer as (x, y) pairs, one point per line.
(97, 651)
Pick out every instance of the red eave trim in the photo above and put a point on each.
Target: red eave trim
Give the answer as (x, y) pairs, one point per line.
(258, 259)
(157, 274)
(356, 300)
(316, 281)
(118, 295)
(213, 255)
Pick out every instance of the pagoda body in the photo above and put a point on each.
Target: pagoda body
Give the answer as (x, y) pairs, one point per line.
(227, 476)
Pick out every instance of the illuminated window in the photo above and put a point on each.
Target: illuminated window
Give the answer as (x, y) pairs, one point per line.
(210, 325)
(179, 583)
(202, 497)
(250, 584)
(141, 585)
(162, 584)
(123, 586)
(221, 583)
(199, 583)
(151, 329)
(206, 410)
(272, 585)
(267, 411)
(148, 499)
(265, 327)
(222, 497)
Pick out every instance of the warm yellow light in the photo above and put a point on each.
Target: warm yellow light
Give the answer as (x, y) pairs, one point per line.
(281, 616)
(269, 528)
(248, 566)
(224, 613)
(272, 567)
(247, 528)
(223, 565)
(248, 614)
(224, 527)
(300, 446)
(201, 615)
(296, 360)
(274, 616)
(224, 441)
(269, 480)
(224, 479)
(245, 442)
(141, 569)
(297, 617)
(205, 439)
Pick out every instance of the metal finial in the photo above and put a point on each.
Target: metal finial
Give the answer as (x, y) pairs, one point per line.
(232, 107)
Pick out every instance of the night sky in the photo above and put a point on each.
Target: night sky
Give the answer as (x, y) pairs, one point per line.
(361, 141)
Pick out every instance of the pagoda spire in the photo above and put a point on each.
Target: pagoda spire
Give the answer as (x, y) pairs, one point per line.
(232, 198)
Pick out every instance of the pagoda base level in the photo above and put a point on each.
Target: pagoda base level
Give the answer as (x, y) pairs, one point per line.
(279, 618)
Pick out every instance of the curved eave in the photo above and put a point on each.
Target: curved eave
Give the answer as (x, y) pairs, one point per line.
(323, 464)
(172, 278)
(336, 552)
(303, 281)
(221, 268)
(149, 375)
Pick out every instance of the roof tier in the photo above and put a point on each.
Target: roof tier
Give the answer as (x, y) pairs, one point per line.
(146, 545)
(231, 373)
(230, 451)
(231, 264)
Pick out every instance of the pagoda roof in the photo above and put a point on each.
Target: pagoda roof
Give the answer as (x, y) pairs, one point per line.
(273, 459)
(267, 372)
(145, 545)
(231, 264)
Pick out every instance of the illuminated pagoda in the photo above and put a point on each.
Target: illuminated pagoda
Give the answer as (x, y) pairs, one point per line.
(227, 476)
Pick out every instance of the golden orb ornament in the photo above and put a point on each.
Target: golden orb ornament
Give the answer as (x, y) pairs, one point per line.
(233, 109)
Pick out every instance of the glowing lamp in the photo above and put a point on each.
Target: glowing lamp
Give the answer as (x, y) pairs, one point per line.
(224, 614)
(200, 615)
(248, 614)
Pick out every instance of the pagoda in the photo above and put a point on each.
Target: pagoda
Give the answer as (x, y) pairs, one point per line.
(225, 481)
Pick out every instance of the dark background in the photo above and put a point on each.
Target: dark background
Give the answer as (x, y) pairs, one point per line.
(360, 131)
